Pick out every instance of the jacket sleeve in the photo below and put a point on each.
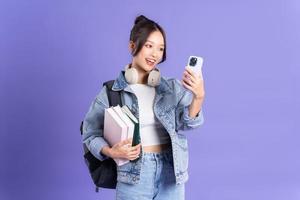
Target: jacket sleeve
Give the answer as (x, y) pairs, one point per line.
(183, 120)
(93, 125)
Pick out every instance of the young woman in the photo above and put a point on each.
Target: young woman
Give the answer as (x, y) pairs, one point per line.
(164, 107)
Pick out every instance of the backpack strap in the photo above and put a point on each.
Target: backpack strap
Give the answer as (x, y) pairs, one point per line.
(114, 97)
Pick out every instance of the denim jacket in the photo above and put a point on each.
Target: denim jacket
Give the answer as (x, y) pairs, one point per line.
(171, 105)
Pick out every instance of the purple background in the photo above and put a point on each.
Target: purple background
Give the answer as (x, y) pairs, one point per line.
(54, 56)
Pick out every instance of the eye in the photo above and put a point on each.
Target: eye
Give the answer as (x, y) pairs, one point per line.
(162, 49)
(148, 45)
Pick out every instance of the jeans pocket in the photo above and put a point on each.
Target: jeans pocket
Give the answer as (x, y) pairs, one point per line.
(125, 168)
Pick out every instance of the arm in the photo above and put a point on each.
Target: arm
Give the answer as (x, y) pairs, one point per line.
(93, 126)
(196, 85)
(186, 120)
(195, 107)
(189, 109)
(93, 133)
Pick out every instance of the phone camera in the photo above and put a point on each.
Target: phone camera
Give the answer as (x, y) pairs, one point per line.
(193, 61)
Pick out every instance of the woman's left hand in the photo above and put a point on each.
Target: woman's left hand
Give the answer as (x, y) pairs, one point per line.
(194, 83)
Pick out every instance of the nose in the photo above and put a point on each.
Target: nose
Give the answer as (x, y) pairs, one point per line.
(154, 53)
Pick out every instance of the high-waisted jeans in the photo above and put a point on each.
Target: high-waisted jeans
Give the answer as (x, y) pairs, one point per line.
(157, 180)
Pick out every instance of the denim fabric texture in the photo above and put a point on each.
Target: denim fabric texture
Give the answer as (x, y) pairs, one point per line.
(157, 180)
(171, 105)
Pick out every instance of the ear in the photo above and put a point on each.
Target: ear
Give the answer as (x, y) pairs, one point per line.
(131, 46)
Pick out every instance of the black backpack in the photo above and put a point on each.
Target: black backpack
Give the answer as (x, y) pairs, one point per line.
(103, 173)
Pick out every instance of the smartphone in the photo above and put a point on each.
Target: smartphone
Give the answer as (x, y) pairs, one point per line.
(195, 63)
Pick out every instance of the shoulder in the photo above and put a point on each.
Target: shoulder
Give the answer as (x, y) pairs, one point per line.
(174, 85)
(178, 92)
(101, 97)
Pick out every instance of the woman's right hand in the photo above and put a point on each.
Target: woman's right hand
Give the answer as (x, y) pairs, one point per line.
(124, 149)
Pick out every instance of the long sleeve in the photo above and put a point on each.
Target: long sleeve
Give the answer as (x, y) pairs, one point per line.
(93, 125)
(183, 120)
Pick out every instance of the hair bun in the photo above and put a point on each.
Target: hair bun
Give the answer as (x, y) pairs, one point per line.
(140, 18)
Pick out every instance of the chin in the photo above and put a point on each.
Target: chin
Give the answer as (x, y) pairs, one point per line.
(148, 68)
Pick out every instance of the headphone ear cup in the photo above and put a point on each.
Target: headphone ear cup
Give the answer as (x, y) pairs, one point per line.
(131, 75)
(154, 78)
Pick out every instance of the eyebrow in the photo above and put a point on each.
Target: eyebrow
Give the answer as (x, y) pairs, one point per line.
(154, 43)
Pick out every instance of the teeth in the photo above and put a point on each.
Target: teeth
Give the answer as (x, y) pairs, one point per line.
(152, 61)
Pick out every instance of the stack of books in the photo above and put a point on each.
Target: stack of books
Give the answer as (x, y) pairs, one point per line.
(120, 124)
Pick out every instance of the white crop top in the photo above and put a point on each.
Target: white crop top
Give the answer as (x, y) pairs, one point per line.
(151, 130)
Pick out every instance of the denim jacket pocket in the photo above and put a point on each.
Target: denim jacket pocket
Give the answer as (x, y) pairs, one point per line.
(167, 116)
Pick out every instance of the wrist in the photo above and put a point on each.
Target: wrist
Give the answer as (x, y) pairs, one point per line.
(107, 151)
(198, 98)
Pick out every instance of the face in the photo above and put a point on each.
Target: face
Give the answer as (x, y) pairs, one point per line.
(151, 53)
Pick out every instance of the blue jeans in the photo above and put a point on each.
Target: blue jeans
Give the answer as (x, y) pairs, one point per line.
(157, 181)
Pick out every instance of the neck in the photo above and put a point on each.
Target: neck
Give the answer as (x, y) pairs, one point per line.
(142, 75)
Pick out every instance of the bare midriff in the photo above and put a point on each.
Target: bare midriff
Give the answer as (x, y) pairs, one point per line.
(156, 148)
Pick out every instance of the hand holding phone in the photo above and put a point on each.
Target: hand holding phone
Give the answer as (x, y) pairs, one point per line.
(195, 64)
(192, 79)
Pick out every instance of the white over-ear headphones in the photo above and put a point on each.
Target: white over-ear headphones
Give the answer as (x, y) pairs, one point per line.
(131, 75)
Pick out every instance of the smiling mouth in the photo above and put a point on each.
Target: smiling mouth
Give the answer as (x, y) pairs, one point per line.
(150, 62)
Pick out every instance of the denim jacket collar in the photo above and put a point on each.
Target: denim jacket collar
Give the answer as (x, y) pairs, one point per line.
(122, 84)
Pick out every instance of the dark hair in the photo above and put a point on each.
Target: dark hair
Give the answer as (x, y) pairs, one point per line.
(141, 30)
